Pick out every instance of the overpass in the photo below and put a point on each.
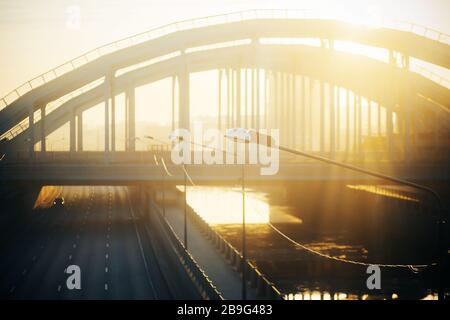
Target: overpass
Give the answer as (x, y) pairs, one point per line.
(388, 109)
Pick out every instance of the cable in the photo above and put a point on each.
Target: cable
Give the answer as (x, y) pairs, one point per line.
(413, 267)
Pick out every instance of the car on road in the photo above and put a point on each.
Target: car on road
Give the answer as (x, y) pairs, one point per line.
(58, 203)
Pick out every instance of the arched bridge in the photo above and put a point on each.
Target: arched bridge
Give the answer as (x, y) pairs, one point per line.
(274, 70)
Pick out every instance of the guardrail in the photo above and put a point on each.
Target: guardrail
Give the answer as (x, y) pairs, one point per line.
(264, 287)
(203, 284)
(197, 23)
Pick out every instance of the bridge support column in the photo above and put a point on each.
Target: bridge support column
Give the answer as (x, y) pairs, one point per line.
(303, 113)
(355, 125)
(360, 151)
(252, 85)
(332, 122)
(258, 101)
(338, 119)
(289, 109)
(293, 113)
(131, 118)
(322, 118)
(183, 112)
(311, 108)
(31, 132)
(174, 82)
(113, 114)
(238, 97)
(72, 138)
(43, 138)
(219, 102)
(80, 131)
(233, 98)
(347, 123)
(283, 107)
(389, 133)
(267, 98)
(228, 82)
(276, 95)
(107, 95)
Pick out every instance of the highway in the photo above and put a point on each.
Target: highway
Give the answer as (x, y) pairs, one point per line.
(98, 231)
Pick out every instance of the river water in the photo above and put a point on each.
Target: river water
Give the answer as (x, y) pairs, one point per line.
(313, 240)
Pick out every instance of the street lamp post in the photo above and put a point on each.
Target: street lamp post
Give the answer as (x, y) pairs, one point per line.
(248, 136)
(242, 135)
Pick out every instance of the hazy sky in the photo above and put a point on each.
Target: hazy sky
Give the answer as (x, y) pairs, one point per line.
(34, 36)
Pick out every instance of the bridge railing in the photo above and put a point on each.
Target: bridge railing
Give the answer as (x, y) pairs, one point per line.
(204, 285)
(192, 24)
(264, 287)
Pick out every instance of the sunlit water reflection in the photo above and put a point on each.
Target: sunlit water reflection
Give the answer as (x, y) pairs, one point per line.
(315, 221)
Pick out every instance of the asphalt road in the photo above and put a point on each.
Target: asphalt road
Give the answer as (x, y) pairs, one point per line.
(98, 231)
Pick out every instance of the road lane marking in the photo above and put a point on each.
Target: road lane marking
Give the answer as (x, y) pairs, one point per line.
(70, 257)
(106, 256)
(107, 245)
(74, 245)
(106, 287)
(59, 288)
(24, 272)
(106, 269)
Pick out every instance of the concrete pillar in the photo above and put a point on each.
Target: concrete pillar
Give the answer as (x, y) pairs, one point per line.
(219, 104)
(233, 98)
(322, 118)
(228, 79)
(303, 113)
(294, 113)
(131, 117)
(407, 126)
(174, 82)
(379, 119)
(184, 112)
(359, 99)
(238, 97)
(369, 118)
(267, 98)
(80, 131)
(246, 99)
(107, 95)
(283, 117)
(389, 133)
(43, 137)
(287, 114)
(276, 97)
(31, 133)
(253, 122)
(113, 114)
(258, 102)
(72, 139)
(311, 108)
(347, 123)
(355, 125)
(338, 119)
(332, 123)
